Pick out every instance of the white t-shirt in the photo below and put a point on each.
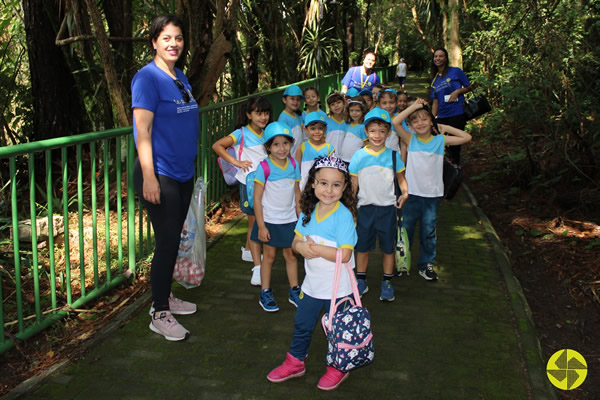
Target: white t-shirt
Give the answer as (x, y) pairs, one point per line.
(279, 195)
(337, 230)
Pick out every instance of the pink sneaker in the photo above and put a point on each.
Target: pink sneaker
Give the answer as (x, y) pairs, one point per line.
(332, 379)
(165, 324)
(177, 307)
(180, 307)
(291, 368)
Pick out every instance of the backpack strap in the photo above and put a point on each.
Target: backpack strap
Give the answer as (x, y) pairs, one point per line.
(293, 161)
(241, 144)
(266, 169)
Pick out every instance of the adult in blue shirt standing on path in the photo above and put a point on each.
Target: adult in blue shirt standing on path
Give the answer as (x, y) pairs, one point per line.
(165, 129)
(448, 86)
(361, 77)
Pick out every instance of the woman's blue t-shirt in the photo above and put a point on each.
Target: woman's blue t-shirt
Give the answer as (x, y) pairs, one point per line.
(175, 124)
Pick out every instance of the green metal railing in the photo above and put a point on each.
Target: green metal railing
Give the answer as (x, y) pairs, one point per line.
(44, 284)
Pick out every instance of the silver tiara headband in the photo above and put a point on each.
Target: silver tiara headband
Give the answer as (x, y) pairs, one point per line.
(331, 162)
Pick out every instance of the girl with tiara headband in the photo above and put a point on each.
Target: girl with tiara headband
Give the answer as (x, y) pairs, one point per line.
(327, 218)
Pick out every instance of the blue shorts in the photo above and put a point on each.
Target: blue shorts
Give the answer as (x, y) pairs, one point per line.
(246, 209)
(376, 221)
(282, 235)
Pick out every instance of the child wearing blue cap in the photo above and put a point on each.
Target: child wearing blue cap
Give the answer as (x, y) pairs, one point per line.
(315, 125)
(352, 94)
(291, 114)
(372, 171)
(276, 206)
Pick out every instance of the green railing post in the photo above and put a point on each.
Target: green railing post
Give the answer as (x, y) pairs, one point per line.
(16, 249)
(50, 197)
(130, 207)
(34, 250)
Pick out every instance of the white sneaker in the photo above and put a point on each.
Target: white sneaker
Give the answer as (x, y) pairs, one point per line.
(255, 281)
(246, 254)
(165, 324)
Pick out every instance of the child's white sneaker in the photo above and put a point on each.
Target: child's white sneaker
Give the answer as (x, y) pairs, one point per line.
(255, 280)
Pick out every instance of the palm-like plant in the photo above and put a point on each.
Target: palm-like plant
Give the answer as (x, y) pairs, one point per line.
(320, 48)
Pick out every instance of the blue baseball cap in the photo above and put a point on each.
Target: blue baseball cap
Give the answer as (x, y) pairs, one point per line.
(277, 129)
(352, 92)
(315, 116)
(293, 90)
(367, 92)
(377, 114)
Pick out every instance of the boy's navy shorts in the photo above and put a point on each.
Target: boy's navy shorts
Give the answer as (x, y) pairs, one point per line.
(376, 221)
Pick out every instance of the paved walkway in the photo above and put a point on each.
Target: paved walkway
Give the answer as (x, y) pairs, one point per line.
(466, 336)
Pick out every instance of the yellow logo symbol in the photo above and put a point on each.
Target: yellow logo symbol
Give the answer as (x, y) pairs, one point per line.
(566, 369)
(246, 204)
(286, 130)
(301, 295)
(383, 116)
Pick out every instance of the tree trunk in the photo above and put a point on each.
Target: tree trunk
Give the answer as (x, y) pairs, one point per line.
(418, 26)
(444, 23)
(455, 50)
(57, 104)
(124, 117)
(119, 20)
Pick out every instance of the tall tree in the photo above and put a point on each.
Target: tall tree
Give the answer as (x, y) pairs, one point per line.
(51, 78)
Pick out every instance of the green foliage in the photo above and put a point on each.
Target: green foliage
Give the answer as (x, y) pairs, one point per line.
(16, 115)
(539, 63)
(319, 51)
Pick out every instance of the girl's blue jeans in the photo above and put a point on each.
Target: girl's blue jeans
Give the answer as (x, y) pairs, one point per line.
(423, 210)
(307, 315)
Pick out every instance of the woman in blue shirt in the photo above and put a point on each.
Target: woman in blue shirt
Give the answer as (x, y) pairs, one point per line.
(361, 77)
(165, 129)
(448, 86)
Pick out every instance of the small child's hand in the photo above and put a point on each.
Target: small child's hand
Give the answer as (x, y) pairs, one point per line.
(263, 234)
(401, 200)
(306, 248)
(420, 101)
(245, 165)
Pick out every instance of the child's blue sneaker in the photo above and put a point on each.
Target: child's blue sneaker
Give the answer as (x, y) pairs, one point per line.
(294, 296)
(267, 301)
(362, 286)
(387, 291)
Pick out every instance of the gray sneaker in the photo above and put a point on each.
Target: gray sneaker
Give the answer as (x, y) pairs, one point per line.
(428, 273)
(165, 324)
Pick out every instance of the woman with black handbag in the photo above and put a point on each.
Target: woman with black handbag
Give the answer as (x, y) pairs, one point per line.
(448, 87)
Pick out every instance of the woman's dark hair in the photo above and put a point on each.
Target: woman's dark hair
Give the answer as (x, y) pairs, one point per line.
(309, 200)
(434, 69)
(269, 143)
(158, 25)
(367, 52)
(254, 103)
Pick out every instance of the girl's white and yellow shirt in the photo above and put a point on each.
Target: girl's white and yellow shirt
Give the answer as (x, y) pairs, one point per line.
(253, 150)
(279, 196)
(336, 229)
